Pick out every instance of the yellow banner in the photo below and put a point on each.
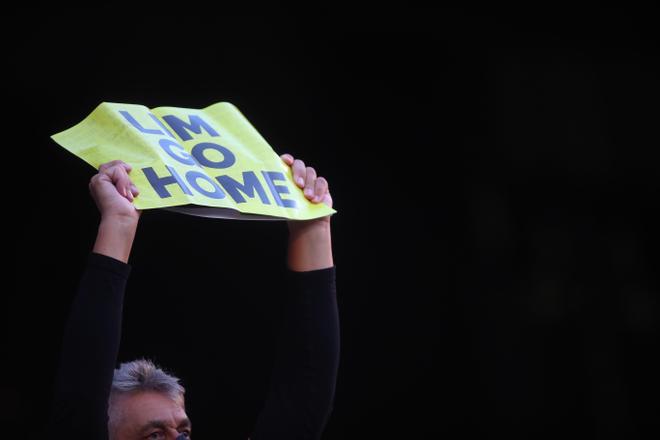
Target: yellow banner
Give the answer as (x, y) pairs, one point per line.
(209, 162)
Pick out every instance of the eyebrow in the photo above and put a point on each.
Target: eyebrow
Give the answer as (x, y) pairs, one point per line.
(161, 424)
(153, 424)
(185, 423)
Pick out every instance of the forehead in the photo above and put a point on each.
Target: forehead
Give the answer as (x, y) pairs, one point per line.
(140, 408)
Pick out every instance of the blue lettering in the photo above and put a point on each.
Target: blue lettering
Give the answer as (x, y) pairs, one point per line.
(161, 125)
(196, 124)
(276, 190)
(159, 183)
(183, 157)
(137, 125)
(228, 158)
(193, 176)
(250, 185)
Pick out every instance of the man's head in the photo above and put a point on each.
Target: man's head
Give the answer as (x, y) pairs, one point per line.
(146, 403)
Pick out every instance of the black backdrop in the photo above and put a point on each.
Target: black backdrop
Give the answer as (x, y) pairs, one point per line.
(496, 242)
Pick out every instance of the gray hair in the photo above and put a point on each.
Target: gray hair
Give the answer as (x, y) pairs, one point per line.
(143, 375)
(140, 375)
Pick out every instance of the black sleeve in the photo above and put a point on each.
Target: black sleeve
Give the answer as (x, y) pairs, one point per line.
(89, 352)
(303, 380)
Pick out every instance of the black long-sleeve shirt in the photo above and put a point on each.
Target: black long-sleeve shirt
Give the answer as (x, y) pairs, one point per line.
(303, 379)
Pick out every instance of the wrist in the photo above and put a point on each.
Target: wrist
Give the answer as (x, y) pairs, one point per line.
(310, 245)
(316, 226)
(115, 237)
(119, 225)
(120, 221)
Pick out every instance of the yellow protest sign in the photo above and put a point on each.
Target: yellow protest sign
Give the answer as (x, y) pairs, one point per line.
(210, 162)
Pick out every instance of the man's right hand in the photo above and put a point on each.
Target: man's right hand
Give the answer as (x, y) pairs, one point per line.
(113, 191)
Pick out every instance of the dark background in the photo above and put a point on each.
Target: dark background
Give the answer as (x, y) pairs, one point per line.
(496, 178)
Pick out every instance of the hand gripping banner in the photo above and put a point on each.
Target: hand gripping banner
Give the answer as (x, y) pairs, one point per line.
(210, 162)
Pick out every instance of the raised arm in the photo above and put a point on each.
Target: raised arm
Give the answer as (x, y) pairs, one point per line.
(113, 193)
(310, 246)
(305, 371)
(93, 330)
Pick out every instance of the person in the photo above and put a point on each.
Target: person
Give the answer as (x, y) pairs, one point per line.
(139, 400)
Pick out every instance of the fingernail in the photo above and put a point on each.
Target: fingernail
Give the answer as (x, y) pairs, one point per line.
(300, 181)
(308, 192)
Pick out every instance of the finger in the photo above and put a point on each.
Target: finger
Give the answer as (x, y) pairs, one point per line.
(94, 181)
(320, 189)
(104, 166)
(98, 178)
(113, 163)
(287, 158)
(118, 172)
(327, 199)
(299, 172)
(121, 181)
(134, 190)
(310, 179)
